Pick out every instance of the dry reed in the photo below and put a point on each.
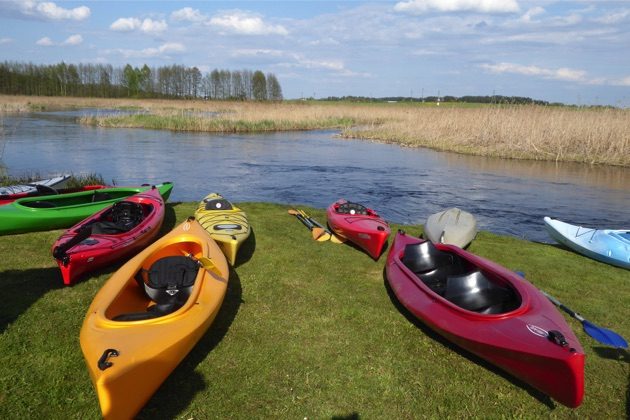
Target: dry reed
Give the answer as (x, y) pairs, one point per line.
(586, 135)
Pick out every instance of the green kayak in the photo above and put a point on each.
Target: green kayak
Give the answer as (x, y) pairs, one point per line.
(49, 212)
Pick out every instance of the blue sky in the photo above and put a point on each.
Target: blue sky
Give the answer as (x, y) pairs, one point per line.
(567, 51)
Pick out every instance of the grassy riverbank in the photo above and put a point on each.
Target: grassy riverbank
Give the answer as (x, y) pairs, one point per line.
(562, 134)
(307, 330)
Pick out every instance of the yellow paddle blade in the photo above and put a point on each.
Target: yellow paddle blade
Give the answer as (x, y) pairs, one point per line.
(205, 262)
(336, 239)
(209, 265)
(320, 234)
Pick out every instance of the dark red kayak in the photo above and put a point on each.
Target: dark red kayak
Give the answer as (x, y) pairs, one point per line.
(360, 225)
(113, 233)
(489, 311)
(42, 190)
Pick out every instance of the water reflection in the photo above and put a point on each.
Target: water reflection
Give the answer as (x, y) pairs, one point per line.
(315, 168)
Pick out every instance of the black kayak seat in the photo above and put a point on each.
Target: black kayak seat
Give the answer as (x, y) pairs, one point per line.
(352, 208)
(474, 292)
(169, 282)
(431, 265)
(124, 216)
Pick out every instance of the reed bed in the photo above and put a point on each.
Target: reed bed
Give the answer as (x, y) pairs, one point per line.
(593, 136)
(597, 136)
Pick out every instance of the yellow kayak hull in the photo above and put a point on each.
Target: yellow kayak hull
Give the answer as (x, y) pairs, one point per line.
(228, 227)
(141, 354)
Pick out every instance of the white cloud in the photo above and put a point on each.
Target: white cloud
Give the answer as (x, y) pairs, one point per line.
(162, 51)
(45, 42)
(480, 6)
(246, 24)
(4, 41)
(563, 73)
(622, 82)
(188, 14)
(534, 11)
(614, 17)
(125, 24)
(73, 40)
(261, 52)
(50, 11)
(134, 24)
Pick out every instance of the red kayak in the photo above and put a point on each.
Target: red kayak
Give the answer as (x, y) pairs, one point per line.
(489, 311)
(113, 233)
(358, 224)
(42, 190)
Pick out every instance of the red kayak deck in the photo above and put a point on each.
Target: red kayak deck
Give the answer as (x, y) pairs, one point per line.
(489, 311)
(360, 225)
(113, 233)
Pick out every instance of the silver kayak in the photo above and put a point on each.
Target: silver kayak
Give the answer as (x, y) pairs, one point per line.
(452, 226)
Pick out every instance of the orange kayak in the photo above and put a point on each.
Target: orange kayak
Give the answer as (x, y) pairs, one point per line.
(150, 314)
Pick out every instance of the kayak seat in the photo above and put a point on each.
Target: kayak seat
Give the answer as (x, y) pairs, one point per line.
(218, 204)
(122, 217)
(432, 265)
(474, 292)
(168, 283)
(352, 208)
(100, 196)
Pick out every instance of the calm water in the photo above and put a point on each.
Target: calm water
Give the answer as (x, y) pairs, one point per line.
(316, 168)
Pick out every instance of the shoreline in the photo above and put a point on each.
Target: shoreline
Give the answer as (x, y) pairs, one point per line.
(523, 132)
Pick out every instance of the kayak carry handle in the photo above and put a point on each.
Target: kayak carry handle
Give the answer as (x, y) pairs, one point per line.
(60, 252)
(103, 363)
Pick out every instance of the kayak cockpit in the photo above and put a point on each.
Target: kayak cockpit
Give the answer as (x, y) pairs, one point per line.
(459, 281)
(163, 284)
(121, 218)
(74, 199)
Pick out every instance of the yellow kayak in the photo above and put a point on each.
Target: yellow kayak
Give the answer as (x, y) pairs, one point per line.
(131, 342)
(226, 223)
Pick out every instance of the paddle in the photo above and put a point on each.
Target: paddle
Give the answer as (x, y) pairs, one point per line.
(603, 335)
(320, 228)
(318, 234)
(204, 262)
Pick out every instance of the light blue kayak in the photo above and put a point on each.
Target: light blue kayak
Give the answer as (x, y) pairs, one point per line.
(605, 245)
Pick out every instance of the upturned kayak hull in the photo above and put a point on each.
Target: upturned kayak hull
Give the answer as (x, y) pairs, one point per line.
(101, 249)
(226, 224)
(129, 359)
(54, 182)
(452, 226)
(605, 245)
(365, 228)
(525, 335)
(64, 210)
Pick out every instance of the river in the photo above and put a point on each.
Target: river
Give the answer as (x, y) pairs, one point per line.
(315, 168)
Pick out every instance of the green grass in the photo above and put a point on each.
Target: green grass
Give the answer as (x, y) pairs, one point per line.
(307, 330)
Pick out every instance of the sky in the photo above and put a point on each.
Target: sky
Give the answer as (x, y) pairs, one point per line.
(575, 52)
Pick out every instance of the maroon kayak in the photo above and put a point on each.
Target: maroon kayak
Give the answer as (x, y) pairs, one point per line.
(489, 311)
(42, 190)
(113, 233)
(360, 225)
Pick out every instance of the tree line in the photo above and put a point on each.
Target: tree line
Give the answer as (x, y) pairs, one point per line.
(494, 99)
(107, 81)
